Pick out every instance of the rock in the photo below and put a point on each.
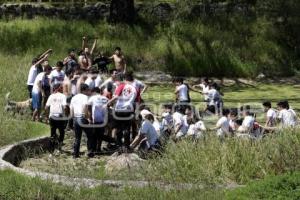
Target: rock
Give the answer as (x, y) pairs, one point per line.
(260, 76)
(124, 161)
(228, 82)
(122, 11)
(162, 11)
(247, 81)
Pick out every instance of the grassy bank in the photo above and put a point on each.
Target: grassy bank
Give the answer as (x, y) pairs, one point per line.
(229, 47)
(20, 187)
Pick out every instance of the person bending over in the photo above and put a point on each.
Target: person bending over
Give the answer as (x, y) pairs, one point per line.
(147, 139)
(98, 117)
(124, 109)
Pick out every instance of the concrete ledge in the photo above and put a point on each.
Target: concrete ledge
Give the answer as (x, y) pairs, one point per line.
(12, 155)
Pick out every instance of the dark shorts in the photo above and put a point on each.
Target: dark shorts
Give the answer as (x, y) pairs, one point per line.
(122, 120)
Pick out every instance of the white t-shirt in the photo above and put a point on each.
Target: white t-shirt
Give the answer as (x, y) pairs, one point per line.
(38, 80)
(56, 101)
(272, 115)
(178, 120)
(288, 118)
(32, 75)
(90, 82)
(148, 130)
(214, 97)
(78, 104)
(74, 87)
(182, 92)
(57, 77)
(197, 128)
(167, 121)
(223, 123)
(98, 81)
(205, 90)
(232, 125)
(248, 122)
(99, 112)
(126, 99)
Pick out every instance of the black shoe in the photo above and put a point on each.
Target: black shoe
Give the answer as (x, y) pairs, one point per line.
(75, 155)
(91, 155)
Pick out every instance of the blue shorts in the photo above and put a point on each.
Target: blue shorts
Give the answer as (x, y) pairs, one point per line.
(36, 100)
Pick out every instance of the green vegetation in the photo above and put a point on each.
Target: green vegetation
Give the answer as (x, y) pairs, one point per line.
(232, 47)
(18, 187)
(274, 187)
(228, 48)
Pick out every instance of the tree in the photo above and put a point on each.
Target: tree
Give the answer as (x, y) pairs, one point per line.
(122, 11)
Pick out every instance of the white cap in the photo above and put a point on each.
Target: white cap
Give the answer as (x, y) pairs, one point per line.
(144, 113)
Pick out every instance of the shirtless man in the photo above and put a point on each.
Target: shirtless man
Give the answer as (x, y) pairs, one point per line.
(85, 58)
(119, 60)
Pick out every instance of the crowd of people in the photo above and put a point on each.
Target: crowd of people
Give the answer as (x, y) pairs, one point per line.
(75, 96)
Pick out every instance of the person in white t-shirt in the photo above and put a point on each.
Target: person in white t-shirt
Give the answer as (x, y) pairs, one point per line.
(286, 116)
(91, 80)
(38, 93)
(222, 126)
(33, 72)
(246, 129)
(147, 138)
(233, 117)
(166, 125)
(124, 109)
(196, 130)
(98, 116)
(57, 103)
(181, 91)
(271, 114)
(79, 112)
(140, 88)
(180, 127)
(57, 76)
(204, 85)
(214, 100)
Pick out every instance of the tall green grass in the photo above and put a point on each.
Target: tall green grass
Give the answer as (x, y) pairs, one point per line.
(213, 162)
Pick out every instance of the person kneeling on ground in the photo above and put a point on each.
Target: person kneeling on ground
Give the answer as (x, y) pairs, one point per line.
(180, 128)
(57, 103)
(222, 125)
(249, 128)
(147, 139)
(286, 116)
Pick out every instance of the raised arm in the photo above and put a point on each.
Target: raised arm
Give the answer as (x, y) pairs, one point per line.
(42, 59)
(83, 43)
(49, 51)
(194, 90)
(93, 47)
(144, 89)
